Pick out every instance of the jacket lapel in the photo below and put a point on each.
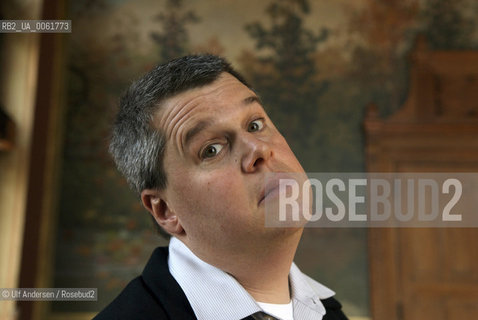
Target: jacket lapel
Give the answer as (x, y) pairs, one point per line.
(164, 287)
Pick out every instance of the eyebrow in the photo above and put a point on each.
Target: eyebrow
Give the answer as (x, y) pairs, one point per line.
(252, 99)
(203, 124)
(200, 126)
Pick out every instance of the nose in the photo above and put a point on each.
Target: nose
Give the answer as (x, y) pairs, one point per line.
(256, 153)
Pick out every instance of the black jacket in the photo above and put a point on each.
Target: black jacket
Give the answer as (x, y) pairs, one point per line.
(155, 295)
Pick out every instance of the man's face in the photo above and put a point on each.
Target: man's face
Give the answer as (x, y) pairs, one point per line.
(220, 144)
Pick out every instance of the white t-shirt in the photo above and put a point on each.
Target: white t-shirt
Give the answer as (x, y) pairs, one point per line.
(280, 311)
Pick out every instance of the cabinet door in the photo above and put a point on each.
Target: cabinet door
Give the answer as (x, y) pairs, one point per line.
(438, 273)
(425, 273)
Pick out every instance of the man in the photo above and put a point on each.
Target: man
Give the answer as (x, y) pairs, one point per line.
(194, 141)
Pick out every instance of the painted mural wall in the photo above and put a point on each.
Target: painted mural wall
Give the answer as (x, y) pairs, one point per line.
(316, 64)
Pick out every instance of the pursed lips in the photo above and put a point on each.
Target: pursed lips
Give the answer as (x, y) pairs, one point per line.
(272, 185)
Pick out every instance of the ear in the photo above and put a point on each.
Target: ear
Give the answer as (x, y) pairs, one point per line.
(155, 202)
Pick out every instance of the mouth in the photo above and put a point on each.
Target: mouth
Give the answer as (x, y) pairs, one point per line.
(272, 187)
(268, 193)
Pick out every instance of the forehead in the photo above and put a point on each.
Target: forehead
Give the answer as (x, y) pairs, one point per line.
(223, 93)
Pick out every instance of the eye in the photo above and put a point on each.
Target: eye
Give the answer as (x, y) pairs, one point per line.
(211, 151)
(255, 125)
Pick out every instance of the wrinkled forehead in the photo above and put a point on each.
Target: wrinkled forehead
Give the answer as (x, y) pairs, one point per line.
(220, 93)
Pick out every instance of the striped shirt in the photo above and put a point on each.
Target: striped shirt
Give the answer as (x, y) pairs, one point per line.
(214, 294)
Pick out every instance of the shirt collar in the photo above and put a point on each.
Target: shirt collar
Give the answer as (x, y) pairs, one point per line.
(306, 294)
(210, 290)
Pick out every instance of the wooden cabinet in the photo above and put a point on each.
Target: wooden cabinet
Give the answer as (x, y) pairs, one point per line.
(420, 274)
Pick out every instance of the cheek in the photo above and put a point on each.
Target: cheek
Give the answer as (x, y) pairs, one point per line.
(210, 194)
(285, 153)
(215, 201)
(219, 189)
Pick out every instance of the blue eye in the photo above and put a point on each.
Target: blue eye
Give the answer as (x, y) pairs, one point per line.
(211, 151)
(255, 125)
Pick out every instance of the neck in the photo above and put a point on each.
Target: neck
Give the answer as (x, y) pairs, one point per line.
(266, 276)
(262, 270)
